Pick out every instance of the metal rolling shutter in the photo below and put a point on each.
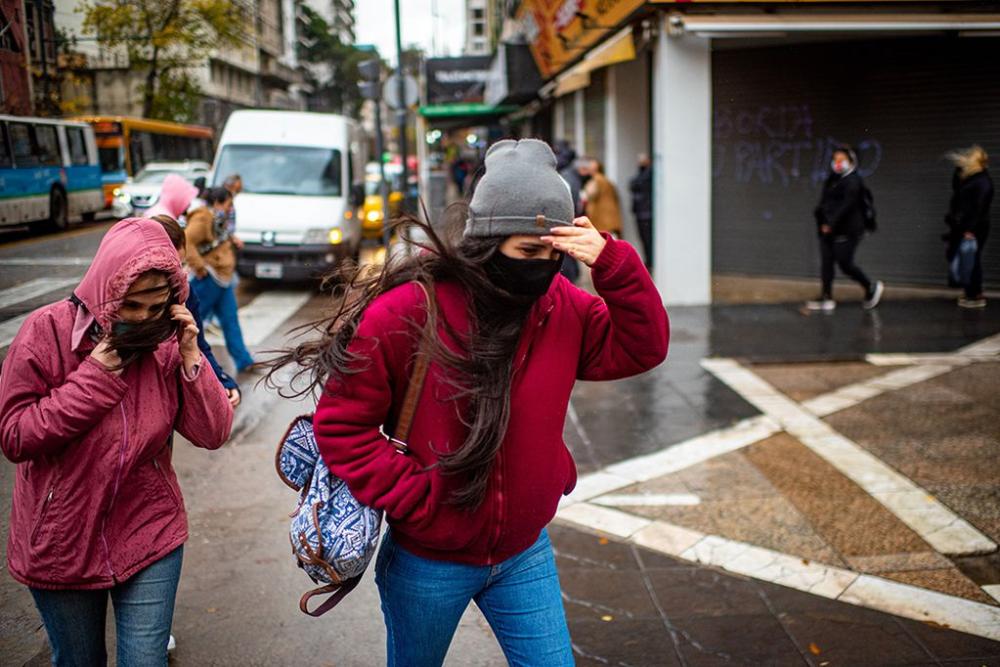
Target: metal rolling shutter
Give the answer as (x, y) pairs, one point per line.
(902, 102)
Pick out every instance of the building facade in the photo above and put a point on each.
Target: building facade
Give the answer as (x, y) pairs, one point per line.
(15, 81)
(740, 107)
(261, 71)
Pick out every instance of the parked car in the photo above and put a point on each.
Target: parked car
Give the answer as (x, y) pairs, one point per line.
(139, 193)
(372, 215)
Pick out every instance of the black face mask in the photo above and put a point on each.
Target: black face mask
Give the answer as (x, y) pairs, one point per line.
(522, 277)
(132, 340)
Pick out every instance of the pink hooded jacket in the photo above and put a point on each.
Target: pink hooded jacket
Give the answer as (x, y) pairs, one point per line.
(95, 496)
(176, 195)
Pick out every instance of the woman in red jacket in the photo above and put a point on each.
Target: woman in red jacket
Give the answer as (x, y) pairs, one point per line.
(92, 389)
(507, 338)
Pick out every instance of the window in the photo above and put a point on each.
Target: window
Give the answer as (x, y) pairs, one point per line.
(284, 170)
(77, 146)
(478, 29)
(477, 13)
(23, 143)
(48, 145)
(6, 160)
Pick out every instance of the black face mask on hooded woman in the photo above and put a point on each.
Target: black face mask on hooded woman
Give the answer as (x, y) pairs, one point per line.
(131, 340)
(522, 277)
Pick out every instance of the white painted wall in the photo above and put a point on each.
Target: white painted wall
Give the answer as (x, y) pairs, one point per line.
(682, 152)
(626, 133)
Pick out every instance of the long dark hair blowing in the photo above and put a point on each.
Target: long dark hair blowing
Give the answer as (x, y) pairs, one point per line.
(479, 372)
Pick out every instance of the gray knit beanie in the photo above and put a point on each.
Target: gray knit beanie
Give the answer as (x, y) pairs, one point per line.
(520, 193)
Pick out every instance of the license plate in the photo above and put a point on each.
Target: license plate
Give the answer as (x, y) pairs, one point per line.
(268, 270)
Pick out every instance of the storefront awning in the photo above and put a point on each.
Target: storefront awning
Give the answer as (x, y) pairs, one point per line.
(620, 48)
(464, 110)
(735, 25)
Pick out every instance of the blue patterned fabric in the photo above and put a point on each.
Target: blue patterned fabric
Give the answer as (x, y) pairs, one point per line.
(330, 530)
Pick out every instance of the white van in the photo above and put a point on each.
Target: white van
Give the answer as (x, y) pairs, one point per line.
(298, 214)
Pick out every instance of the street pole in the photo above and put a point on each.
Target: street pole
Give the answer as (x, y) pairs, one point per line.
(401, 112)
(383, 187)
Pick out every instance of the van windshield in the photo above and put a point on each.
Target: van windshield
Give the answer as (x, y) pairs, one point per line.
(283, 170)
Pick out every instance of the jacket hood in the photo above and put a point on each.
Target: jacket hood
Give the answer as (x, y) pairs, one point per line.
(129, 249)
(175, 197)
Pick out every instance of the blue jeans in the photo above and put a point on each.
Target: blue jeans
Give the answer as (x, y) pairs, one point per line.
(144, 610)
(221, 302)
(423, 600)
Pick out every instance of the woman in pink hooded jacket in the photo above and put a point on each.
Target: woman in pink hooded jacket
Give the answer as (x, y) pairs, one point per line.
(91, 391)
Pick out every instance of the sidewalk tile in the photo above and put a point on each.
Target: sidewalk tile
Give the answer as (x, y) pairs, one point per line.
(744, 640)
(843, 635)
(622, 642)
(902, 562)
(841, 512)
(704, 592)
(948, 580)
(592, 594)
(804, 381)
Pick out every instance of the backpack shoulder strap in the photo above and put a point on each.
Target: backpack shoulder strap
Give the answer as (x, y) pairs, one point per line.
(416, 384)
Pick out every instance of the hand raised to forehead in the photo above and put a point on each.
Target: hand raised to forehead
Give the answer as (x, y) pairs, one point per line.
(582, 241)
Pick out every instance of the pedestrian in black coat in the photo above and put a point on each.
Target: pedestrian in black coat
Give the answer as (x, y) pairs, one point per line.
(969, 215)
(840, 221)
(641, 187)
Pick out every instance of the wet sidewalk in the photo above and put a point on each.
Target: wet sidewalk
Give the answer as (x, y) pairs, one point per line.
(850, 458)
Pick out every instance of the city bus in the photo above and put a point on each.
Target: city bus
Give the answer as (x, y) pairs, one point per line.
(127, 144)
(49, 172)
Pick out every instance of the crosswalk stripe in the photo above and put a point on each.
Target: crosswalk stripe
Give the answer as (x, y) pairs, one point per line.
(46, 261)
(32, 289)
(262, 316)
(258, 319)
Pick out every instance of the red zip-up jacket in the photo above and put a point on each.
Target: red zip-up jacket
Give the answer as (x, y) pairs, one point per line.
(568, 335)
(96, 498)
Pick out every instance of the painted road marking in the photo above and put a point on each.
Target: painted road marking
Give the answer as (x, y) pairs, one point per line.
(264, 314)
(46, 261)
(33, 289)
(9, 329)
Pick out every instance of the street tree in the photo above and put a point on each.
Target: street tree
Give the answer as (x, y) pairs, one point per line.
(335, 79)
(166, 38)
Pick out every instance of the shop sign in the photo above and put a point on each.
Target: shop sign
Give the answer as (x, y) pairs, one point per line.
(454, 80)
(559, 31)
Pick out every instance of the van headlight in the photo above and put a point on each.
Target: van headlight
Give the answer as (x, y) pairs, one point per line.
(331, 235)
(121, 195)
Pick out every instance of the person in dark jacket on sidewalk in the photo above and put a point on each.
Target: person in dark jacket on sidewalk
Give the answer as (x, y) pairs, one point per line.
(641, 187)
(508, 337)
(969, 215)
(177, 237)
(840, 220)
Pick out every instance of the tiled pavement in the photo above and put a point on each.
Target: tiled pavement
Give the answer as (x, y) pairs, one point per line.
(627, 605)
(760, 493)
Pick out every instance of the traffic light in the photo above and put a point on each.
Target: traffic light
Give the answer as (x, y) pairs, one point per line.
(371, 75)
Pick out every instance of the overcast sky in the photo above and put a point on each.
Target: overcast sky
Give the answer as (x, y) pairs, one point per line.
(445, 30)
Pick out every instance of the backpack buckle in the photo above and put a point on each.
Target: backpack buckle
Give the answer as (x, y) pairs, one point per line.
(401, 447)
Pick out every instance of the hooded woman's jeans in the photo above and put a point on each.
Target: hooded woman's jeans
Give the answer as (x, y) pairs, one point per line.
(423, 600)
(221, 302)
(144, 610)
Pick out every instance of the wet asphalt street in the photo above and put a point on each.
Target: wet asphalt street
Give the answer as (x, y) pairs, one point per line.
(629, 601)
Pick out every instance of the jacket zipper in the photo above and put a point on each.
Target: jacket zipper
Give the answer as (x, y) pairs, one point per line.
(500, 512)
(42, 512)
(114, 491)
(163, 476)
(499, 462)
